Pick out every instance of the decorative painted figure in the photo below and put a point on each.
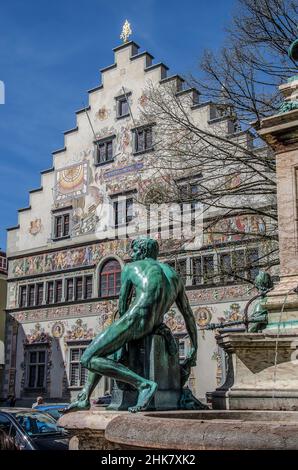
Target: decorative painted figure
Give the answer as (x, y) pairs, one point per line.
(155, 287)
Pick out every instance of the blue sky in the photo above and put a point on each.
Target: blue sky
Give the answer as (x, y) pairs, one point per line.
(50, 55)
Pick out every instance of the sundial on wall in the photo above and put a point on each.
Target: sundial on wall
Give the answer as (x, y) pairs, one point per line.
(71, 181)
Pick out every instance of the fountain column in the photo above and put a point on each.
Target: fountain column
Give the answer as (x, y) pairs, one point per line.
(263, 372)
(281, 133)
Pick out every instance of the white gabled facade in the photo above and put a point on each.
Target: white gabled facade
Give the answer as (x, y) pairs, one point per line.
(63, 273)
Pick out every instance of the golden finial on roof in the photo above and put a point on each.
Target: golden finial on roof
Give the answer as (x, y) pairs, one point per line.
(126, 31)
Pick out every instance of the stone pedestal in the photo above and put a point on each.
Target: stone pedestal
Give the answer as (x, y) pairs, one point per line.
(281, 133)
(262, 372)
(150, 358)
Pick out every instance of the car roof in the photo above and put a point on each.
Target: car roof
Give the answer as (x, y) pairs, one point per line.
(14, 410)
(48, 405)
(50, 408)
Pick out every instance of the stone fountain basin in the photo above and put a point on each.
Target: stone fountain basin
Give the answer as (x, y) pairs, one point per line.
(205, 430)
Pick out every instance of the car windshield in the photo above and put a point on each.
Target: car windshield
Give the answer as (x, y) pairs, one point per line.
(35, 423)
(54, 413)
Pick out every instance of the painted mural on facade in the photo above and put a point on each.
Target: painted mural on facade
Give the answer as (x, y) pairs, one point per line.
(66, 259)
(104, 309)
(234, 229)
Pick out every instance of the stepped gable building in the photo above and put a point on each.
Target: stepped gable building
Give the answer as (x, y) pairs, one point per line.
(64, 272)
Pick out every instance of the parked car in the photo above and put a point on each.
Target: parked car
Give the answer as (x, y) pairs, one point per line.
(53, 409)
(33, 429)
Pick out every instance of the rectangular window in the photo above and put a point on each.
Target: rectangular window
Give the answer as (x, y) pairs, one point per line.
(188, 198)
(36, 367)
(181, 269)
(69, 289)
(58, 290)
(122, 107)
(61, 225)
(31, 295)
(110, 284)
(105, 151)
(77, 373)
(50, 292)
(79, 288)
(226, 268)
(252, 256)
(23, 296)
(232, 266)
(197, 277)
(143, 139)
(3, 263)
(88, 287)
(39, 294)
(123, 211)
(239, 264)
(208, 269)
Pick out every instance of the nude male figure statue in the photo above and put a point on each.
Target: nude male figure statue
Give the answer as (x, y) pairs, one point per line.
(156, 287)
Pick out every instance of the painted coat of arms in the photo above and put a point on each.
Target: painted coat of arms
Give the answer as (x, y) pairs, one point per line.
(35, 226)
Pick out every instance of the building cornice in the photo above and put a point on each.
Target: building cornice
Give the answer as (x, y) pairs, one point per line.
(59, 151)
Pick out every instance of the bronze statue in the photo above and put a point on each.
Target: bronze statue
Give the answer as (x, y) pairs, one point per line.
(291, 103)
(148, 290)
(258, 320)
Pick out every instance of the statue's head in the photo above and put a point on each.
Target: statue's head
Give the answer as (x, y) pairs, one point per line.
(144, 247)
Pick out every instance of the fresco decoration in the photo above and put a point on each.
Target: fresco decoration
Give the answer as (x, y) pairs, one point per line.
(88, 210)
(233, 313)
(79, 331)
(234, 229)
(12, 295)
(35, 227)
(105, 320)
(217, 356)
(70, 311)
(241, 292)
(175, 321)
(203, 315)
(107, 311)
(123, 140)
(58, 329)
(86, 225)
(37, 335)
(66, 259)
(105, 132)
(143, 100)
(233, 181)
(71, 181)
(103, 113)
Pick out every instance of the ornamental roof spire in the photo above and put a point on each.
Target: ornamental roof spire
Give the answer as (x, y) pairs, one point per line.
(126, 31)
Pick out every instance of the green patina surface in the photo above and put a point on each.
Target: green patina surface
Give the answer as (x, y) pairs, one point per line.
(293, 104)
(148, 290)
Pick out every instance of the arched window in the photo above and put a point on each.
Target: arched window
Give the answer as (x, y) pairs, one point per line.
(109, 279)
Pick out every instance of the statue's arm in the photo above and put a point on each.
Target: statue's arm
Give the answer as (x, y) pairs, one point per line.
(190, 323)
(124, 295)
